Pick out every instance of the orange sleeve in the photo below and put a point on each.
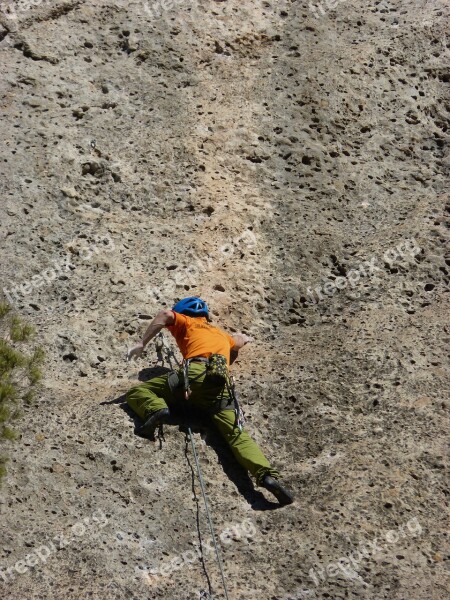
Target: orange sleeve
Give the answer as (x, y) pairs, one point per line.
(178, 329)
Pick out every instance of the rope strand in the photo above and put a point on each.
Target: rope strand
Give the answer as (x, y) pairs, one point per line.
(211, 526)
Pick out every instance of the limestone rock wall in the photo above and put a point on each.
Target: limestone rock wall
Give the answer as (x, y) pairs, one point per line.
(286, 161)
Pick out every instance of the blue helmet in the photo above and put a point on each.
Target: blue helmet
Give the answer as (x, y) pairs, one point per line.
(192, 307)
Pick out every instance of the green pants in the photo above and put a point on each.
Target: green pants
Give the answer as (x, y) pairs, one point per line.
(156, 394)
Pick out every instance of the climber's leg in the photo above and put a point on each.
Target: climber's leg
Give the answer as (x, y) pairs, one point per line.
(245, 449)
(150, 396)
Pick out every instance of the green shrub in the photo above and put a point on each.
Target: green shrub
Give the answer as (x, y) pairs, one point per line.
(19, 371)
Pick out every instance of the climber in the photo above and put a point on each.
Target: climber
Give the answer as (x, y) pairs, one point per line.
(198, 341)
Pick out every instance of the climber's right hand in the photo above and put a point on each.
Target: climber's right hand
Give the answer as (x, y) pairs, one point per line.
(135, 352)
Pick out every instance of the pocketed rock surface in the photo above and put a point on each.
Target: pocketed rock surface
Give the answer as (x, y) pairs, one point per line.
(289, 166)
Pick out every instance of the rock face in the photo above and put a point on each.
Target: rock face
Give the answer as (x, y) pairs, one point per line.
(286, 162)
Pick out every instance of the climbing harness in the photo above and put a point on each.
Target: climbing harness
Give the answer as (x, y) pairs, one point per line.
(187, 391)
(216, 370)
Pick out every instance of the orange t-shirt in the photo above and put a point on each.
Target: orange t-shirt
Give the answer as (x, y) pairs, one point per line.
(196, 337)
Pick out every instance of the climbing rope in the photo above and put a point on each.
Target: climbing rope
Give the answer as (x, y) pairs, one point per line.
(162, 346)
(208, 513)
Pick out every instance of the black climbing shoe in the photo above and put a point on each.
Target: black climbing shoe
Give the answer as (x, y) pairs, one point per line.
(281, 494)
(157, 418)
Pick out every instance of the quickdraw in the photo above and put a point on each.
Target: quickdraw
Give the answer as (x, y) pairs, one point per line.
(240, 418)
(187, 389)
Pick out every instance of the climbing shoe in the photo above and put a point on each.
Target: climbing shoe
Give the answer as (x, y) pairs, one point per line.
(157, 418)
(274, 486)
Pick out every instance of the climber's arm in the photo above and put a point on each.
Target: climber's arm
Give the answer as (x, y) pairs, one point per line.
(162, 319)
(240, 339)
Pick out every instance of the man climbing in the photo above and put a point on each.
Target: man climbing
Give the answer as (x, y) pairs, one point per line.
(203, 347)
